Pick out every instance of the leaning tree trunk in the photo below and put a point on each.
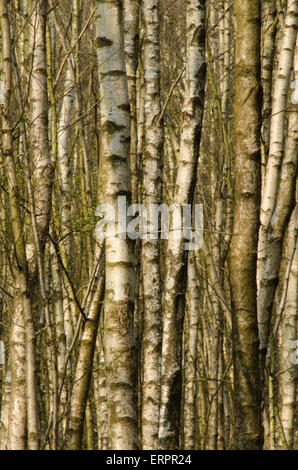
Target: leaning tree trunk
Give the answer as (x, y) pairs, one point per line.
(247, 119)
(280, 217)
(119, 291)
(276, 149)
(276, 141)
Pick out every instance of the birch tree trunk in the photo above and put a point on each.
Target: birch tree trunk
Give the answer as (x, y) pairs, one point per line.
(287, 339)
(40, 192)
(267, 56)
(18, 409)
(151, 247)
(16, 432)
(5, 405)
(131, 43)
(101, 398)
(63, 154)
(41, 161)
(276, 231)
(119, 291)
(174, 286)
(277, 127)
(65, 170)
(246, 215)
(189, 415)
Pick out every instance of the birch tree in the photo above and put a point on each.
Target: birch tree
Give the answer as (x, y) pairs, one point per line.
(277, 126)
(115, 128)
(191, 357)
(16, 430)
(131, 45)
(286, 332)
(150, 244)
(120, 345)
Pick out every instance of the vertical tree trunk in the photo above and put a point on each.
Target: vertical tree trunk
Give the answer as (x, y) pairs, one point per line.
(189, 415)
(16, 432)
(100, 393)
(267, 55)
(131, 43)
(287, 339)
(41, 161)
(18, 409)
(119, 292)
(151, 247)
(40, 194)
(246, 215)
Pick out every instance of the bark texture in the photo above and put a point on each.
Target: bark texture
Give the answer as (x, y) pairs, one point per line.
(119, 290)
(243, 255)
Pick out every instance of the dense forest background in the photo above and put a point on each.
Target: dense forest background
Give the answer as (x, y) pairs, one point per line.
(122, 344)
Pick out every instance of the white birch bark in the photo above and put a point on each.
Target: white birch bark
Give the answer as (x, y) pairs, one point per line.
(100, 392)
(287, 338)
(131, 40)
(119, 292)
(279, 218)
(151, 247)
(63, 136)
(284, 204)
(18, 412)
(189, 414)
(267, 56)
(16, 430)
(57, 294)
(63, 152)
(4, 415)
(277, 128)
(41, 161)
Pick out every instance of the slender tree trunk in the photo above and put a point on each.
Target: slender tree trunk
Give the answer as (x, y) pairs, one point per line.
(267, 55)
(18, 410)
(285, 332)
(41, 161)
(131, 43)
(64, 157)
(151, 247)
(5, 404)
(189, 416)
(101, 398)
(16, 432)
